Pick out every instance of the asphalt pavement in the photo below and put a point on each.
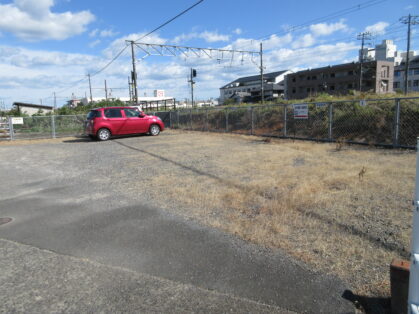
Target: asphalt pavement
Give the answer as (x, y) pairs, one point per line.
(66, 212)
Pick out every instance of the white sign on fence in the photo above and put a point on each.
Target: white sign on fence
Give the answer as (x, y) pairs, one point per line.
(301, 111)
(362, 102)
(17, 120)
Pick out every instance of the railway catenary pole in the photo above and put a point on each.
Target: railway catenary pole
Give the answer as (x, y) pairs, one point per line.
(134, 73)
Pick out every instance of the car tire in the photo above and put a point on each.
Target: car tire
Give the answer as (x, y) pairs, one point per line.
(92, 137)
(154, 130)
(103, 134)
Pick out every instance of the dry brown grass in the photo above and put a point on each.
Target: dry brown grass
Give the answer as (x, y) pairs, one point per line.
(306, 198)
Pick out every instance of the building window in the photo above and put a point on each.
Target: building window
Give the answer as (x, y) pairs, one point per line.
(396, 85)
(350, 85)
(314, 77)
(397, 73)
(416, 83)
(332, 74)
(416, 72)
(293, 91)
(308, 78)
(332, 87)
(293, 79)
(351, 72)
(308, 89)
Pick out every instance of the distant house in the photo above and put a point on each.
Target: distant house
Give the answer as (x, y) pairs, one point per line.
(31, 109)
(248, 89)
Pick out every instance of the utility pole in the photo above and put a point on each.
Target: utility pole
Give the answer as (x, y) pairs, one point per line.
(106, 91)
(129, 90)
(409, 20)
(363, 37)
(193, 74)
(55, 102)
(134, 73)
(90, 88)
(262, 90)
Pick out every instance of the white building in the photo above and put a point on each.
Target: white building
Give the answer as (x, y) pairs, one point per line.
(31, 109)
(249, 88)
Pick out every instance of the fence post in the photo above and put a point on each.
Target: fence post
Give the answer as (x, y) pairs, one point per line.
(285, 119)
(226, 120)
(11, 131)
(170, 119)
(206, 120)
(413, 299)
(252, 117)
(177, 114)
(330, 121)
(53, 125)
(396, 139)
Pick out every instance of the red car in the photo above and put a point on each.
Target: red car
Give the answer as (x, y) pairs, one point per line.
(102, 123)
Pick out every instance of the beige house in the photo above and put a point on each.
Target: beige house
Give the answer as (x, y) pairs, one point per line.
(31, 109)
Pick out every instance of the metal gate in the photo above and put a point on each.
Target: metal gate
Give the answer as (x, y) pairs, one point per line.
(6, 128)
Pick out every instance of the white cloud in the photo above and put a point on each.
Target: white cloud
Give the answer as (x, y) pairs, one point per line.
(304, 41)
(377, 28)
(208, 36)
(108, 33)
(409, 7)
(324, 29)
(32, 20)
(94, 43)
(94, 32)
(237, 31)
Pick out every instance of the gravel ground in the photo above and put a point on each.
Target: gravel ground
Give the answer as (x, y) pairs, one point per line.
(101, 201)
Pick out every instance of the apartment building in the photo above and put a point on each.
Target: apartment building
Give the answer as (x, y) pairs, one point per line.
(341, 79)
(413, 77)
(248, 88)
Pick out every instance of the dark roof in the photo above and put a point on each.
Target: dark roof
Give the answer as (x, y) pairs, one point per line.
(256, 77)
(22, 104)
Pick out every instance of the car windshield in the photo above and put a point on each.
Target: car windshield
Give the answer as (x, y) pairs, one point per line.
(93, 114)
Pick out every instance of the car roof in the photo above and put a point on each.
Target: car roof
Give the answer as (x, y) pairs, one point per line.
(115, 107)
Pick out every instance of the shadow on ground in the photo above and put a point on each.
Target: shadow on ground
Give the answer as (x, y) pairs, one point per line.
(370, 305)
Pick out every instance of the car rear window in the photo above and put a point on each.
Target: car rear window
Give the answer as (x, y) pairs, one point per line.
(113, 113)
(93, 114)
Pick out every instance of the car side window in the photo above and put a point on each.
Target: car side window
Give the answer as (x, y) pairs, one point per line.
(113, 113)
(131, 113)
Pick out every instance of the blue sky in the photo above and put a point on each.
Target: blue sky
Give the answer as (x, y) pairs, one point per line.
(48, 45)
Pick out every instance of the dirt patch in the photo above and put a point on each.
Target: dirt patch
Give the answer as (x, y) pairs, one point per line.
(303, 197)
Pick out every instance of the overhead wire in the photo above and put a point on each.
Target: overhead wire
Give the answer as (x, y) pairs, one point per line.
(325, 18)
(126, 46)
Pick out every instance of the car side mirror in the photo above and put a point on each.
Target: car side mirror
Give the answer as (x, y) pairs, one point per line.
(141, 115)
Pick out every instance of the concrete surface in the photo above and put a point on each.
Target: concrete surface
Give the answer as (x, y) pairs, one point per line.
(39, 281)
(63, 198)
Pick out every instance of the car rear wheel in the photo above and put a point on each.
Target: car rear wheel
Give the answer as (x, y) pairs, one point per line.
(154, 130)
(103, 134)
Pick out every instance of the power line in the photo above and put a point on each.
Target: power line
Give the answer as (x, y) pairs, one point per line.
(171, 20)
(134, 72)
(325, 18)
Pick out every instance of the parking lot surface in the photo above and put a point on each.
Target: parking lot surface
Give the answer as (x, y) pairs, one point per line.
(91, 200)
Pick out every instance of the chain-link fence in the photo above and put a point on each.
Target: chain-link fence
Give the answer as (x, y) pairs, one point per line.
(383, 122)
(34, 127)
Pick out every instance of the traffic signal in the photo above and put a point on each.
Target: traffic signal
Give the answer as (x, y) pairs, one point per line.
(193, 73)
